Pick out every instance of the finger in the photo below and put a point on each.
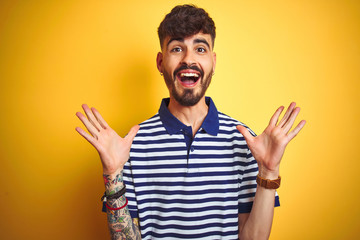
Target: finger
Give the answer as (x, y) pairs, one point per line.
(132, 133)
(87, 124)
(290, 122)
(276, 115)
(296, 130)
(91, 117)
(100, 119)
(87, 136)
(287, 114)
(245, 132)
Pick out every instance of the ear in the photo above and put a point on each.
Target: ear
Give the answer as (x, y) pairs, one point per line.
(214, 61)
(159, 59)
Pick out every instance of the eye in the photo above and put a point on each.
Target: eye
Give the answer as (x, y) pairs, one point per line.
(176, 49)
(201, 50)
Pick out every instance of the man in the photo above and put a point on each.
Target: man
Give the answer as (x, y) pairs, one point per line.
(191, 172)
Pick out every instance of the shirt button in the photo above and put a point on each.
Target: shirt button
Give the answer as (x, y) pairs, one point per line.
(192, 149)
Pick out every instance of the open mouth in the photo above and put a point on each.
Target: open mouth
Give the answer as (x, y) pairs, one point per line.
(188, 79)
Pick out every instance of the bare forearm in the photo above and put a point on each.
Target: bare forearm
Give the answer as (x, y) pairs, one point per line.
(258, 224)
(120, 223)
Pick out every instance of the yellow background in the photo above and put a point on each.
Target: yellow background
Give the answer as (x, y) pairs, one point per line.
(57, 55)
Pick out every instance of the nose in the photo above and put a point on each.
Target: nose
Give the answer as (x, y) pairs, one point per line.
(188, 58)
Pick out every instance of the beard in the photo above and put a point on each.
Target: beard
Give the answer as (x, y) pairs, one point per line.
(187, 97)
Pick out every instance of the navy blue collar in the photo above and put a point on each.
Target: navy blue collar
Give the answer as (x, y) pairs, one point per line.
(173, 125)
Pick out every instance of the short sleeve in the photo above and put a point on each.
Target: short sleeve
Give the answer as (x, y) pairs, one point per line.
(130, 191)
(247, 186)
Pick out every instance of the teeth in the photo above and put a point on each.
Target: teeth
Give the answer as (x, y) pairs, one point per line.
(189, 75)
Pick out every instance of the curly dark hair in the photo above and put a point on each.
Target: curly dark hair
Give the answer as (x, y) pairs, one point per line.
(184, 21)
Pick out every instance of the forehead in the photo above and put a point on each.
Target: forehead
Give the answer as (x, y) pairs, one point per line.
(193, 39)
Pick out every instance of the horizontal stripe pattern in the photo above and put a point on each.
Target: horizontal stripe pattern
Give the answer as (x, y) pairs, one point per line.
(195, 196)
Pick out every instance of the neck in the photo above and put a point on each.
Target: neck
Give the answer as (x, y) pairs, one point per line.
(189, 115)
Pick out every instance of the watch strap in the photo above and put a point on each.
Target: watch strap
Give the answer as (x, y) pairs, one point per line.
(267, 183)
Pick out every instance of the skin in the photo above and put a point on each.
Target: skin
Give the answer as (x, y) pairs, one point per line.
(267, 148)
(195, 50)
(114, 152)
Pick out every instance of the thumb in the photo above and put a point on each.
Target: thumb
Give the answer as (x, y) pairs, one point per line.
(132, 133)
(245, 132)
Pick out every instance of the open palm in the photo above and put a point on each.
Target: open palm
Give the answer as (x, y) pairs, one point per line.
(113, 149)
(268, 148)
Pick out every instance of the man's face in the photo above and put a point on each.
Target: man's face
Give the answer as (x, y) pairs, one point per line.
(187, 65)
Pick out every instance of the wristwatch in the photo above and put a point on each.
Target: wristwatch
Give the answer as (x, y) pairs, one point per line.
(267, 183)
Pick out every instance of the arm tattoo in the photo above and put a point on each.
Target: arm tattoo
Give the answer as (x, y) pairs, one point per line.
(118, 178)
(121, 225)
(107, 180)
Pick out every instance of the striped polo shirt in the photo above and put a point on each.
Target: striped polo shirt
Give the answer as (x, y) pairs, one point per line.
(182, 187)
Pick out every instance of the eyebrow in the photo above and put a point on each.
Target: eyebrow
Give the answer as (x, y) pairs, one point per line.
(200, 40)
(175, 39)
(197, 40)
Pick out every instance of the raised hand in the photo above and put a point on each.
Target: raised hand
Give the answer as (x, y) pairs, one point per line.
(113, 150)
(268, 148)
